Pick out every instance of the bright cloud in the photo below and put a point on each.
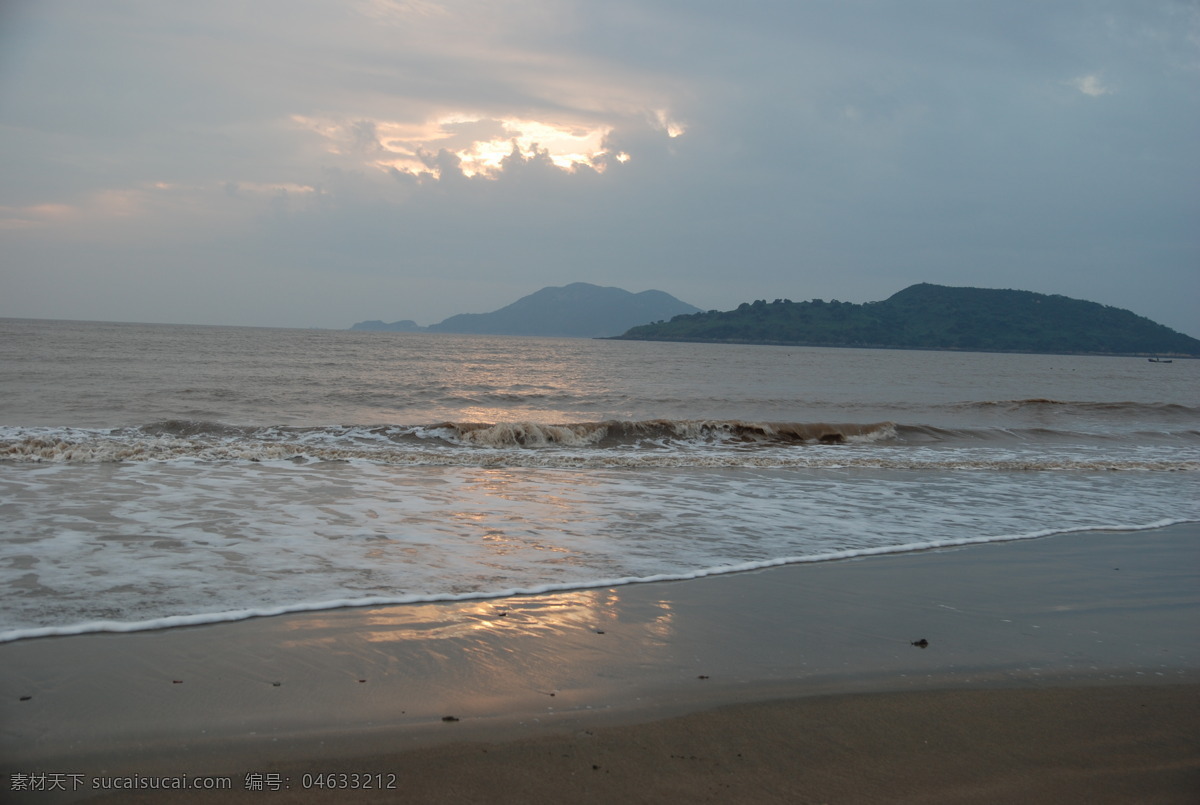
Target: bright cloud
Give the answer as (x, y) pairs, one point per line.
(480, 143)
(672, 127)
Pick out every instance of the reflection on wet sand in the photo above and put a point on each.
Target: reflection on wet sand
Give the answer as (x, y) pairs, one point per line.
(541, 654)
(535, 616)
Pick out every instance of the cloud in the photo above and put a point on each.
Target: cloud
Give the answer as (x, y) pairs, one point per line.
(1091, 85)
(479, 143)
(722, 152)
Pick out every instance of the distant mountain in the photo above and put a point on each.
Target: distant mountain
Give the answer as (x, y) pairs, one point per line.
(375, 325)
(928, 316)
(577, 310)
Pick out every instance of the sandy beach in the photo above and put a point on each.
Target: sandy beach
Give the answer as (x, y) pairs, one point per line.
(1057, 669)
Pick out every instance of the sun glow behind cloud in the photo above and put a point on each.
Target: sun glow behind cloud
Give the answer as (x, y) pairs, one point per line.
(565, 146)
(480, 143)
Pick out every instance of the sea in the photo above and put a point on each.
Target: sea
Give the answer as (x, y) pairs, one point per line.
(154, 476)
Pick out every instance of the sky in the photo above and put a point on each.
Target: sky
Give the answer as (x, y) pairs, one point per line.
(314, 163)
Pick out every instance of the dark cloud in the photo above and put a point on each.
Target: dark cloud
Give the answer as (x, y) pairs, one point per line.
(393, 160)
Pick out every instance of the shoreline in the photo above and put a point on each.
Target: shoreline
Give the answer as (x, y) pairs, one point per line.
(235, 616)
(1098, 621)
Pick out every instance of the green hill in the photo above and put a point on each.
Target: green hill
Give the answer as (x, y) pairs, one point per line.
(928, 316)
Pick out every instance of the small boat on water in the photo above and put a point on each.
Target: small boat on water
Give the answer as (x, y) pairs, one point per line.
(1158, 360)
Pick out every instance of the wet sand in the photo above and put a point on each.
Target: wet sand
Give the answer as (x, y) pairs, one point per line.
(1063, 669)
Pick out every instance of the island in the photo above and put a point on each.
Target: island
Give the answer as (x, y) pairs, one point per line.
(578, 310)
(927, 316)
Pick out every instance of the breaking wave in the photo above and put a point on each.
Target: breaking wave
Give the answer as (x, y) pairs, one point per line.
(615, 443)
(659, 432)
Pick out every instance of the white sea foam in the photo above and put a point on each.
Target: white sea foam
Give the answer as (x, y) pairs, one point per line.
(542, 589)
(151, 543)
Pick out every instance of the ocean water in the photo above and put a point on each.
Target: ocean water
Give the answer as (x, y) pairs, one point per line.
(157, 475)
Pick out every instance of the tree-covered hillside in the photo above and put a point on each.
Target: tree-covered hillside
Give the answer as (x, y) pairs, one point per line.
(934, 317)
